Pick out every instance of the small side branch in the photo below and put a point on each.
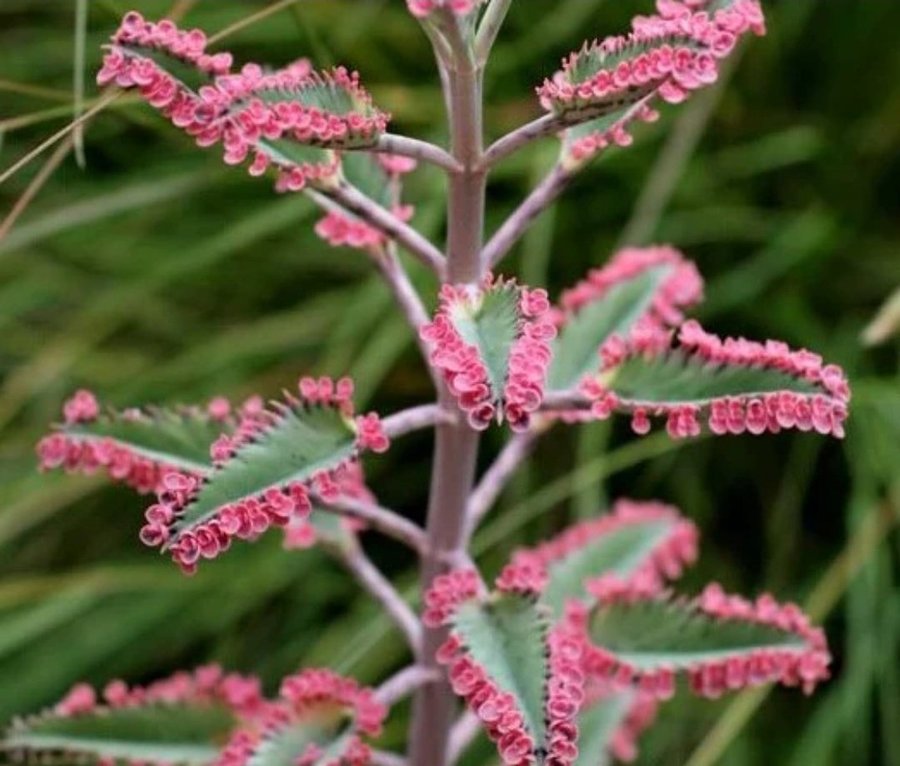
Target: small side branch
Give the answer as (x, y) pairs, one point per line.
(542, 126)
(561, 401)
(405, 682)
(496, 477)
(541, 197)
(463, 732)
(390, 143)
(415, 419)
(372, 213)
(378, 586)
(384, 758)
(387, 522)
(489, 28)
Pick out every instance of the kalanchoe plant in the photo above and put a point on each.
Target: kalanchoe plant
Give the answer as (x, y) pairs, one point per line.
(565, 659)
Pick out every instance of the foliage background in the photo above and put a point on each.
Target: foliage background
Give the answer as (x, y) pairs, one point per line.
(155, 274)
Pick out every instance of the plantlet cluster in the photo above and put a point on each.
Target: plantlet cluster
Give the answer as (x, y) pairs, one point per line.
(565, 656)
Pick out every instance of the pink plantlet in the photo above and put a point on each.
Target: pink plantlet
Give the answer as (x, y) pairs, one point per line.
(503, 381)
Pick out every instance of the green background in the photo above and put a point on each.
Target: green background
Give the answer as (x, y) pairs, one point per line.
(155, 274)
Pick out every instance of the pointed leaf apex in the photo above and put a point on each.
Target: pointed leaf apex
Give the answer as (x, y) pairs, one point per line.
(492, 344)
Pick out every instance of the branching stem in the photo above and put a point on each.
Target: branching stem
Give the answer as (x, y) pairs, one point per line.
(404, 682)
(387, 522)
(496, 477)
(417, 418)
(390, 143)
(385, 221)
(542, 196)
(377, 585)
(544, 125)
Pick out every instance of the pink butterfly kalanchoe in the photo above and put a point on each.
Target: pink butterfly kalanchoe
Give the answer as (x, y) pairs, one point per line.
(580, 638)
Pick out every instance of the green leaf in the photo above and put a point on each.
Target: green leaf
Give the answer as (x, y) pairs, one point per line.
(597, 723)
(507, 636)
(651, 635)
(304, 440)
(491, 326)
(178, 438)
(575, 349)
(621, 551)
(675, 378)
(157, 734)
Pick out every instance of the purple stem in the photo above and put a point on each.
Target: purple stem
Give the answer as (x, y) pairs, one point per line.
(378, 586)
(456, 445)
(404, 682)
(544, 125)
(495, 478)
(418, 150)
(541, 197)
(389, 523)
(463, 732)
(385, 221)
(415, 419)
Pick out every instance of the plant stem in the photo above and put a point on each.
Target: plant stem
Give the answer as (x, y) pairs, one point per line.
(417, 149)
(522, 136)
(380, 588)
(542, 196)
(403, 683)
(384, 220)
(494, 480)
(415, 419)
(456, 446)
(387, 522)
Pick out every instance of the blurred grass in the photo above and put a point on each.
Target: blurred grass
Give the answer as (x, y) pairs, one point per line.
(155, 274)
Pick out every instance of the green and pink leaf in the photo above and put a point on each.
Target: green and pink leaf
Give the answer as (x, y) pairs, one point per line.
(520, 677)
(628, 553)
(267, 473)
(491, 342)
(719, 642)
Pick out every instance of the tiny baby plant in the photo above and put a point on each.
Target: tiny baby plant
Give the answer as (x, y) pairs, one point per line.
(565, 656)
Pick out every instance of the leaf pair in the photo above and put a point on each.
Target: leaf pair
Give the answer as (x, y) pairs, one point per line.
(607, 347)
(579, 634)
(205, 717)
